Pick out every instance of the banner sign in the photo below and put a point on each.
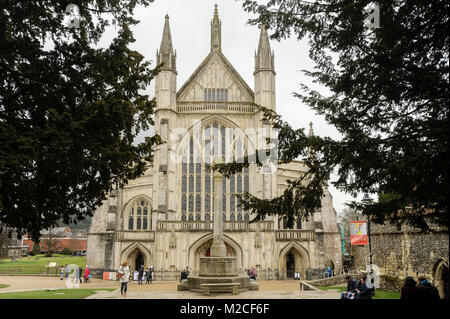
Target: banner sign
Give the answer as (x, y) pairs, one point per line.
(358, 233)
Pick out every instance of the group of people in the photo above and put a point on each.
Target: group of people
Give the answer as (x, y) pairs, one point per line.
(124, 274)
(411, 290)
(357, 289)
(148, 275)
(64, 270)
(420, 290)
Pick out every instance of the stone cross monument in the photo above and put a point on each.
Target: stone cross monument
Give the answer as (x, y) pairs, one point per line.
(218, 248)
(218, 271)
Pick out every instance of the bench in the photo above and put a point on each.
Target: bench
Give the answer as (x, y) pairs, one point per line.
(234, 286)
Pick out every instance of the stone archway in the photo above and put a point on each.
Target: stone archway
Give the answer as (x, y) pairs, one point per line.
(136, 255)
(293, 258)
(330, 263)
(440, 278)
(201, 246)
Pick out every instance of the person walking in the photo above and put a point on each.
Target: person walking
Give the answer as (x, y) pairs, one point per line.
(87, 273)
(80, 273)
(141, 274)
(124, 275)
(61, 270)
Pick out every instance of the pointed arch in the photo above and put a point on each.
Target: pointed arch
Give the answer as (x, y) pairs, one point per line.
(301, 255)
(144, 220)
(130, 249)
(227, 239)
(440, 274)
(130, 203)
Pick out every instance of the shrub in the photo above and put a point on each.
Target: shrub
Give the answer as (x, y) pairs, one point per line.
(66, 251)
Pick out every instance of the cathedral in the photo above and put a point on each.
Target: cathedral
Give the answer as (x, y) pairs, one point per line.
(164, 219)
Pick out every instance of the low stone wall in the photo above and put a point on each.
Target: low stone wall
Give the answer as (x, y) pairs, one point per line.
(391, 283)
(331, 281)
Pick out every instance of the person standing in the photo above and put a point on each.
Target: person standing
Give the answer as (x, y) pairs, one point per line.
(253, 273)
(426, 290)
(141, 274)
(409, 290)
(80, 272)
(62, 270)
(67, 272)
(329, 272)
(87, 272)
(149, 276)
(124, 275)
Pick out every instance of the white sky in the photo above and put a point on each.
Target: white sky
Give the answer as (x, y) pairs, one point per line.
(190, 29)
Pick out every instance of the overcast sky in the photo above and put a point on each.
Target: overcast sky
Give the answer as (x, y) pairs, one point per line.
(190, 29)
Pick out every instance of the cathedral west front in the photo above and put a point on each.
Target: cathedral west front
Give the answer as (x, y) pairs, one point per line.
(165, 218)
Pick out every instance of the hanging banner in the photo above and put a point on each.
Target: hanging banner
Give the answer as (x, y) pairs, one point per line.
(358, 233)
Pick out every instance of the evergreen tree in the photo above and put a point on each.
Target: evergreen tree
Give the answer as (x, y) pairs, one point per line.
(389, 101)
(69, 111)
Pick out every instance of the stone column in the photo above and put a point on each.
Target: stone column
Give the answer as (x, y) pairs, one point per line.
(218, 248)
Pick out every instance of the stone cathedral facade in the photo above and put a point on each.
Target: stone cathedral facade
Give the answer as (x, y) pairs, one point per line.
(164, 218)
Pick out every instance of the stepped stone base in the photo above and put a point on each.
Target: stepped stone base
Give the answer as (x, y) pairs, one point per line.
(214, 270)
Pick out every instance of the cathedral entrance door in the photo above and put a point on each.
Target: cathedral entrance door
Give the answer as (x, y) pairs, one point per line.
(139, 261)
(290, 265)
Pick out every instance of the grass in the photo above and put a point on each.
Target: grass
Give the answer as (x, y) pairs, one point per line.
(53, 294)
(3, 286)
(36, 264)
(379, 294)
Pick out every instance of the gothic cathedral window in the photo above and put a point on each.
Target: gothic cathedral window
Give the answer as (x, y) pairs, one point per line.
(140, 217)
(197, 183)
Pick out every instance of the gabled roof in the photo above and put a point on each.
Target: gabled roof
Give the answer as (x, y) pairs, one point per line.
(237, 77)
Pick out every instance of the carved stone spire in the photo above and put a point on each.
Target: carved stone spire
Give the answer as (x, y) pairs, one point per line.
(311, 132)
(264, 56)
(216, 32)
(166, 54)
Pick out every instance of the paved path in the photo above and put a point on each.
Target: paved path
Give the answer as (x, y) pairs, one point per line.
(267, 290)
(283, 289)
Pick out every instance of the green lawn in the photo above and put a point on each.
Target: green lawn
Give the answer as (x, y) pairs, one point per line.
(379, 294)
(36, 264)
(53, 294)
(3, 286)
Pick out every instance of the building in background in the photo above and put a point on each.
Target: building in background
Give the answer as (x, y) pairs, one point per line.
(406, 252)
(164, 218)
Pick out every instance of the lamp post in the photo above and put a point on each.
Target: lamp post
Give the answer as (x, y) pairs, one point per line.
(367, 200)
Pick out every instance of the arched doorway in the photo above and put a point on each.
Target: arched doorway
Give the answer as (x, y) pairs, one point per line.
(136, 258)
(330, 264)
(440, 278)
(290, 264)
(139, 261)
(294, 258)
